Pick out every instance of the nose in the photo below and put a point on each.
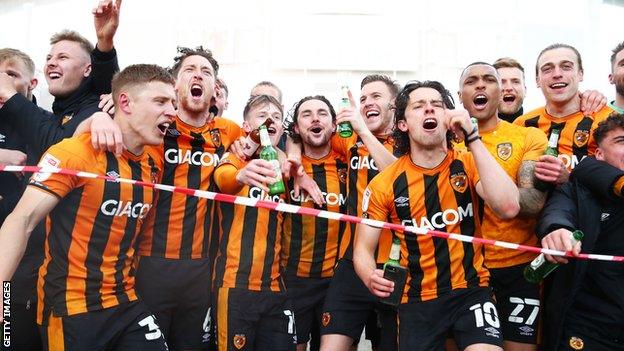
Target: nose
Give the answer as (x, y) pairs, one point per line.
(557, 71)
(506, 86)
(51, 62)
(170, 112)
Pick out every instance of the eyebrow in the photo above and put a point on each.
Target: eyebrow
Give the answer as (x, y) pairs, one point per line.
(422, 101)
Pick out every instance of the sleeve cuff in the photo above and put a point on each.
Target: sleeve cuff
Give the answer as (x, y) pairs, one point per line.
(103, 56)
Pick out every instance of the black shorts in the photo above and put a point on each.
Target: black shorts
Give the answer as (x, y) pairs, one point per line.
(24, 332)
(178, 293)
(255, 320)
(469, 313)
(307, 296)
(348, 306)
(129, 326)
(518, 304)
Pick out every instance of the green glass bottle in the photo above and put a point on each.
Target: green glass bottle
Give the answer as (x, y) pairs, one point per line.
(344, 129)
(540, 267)
(552, 143)
(395, 254)
(551, 150)
(268, 153)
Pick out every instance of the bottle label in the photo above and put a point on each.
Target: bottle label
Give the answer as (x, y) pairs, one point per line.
(395, 252)
(250, 147)
(538, 261)
(275, 164)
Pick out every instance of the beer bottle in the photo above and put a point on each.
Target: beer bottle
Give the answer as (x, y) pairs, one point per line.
(540, 267)
(551, 150)
(268, 153)
(552, 143)
(252, 141)
(344, 129)
(395, 254)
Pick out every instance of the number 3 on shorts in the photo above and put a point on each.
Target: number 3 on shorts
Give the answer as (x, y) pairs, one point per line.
(487, 312)
(152, 326)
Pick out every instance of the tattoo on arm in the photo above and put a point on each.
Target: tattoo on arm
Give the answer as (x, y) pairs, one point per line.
(531, 199)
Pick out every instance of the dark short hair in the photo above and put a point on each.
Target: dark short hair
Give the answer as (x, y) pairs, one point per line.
(139, 74)
(559, 46)
(614, 121)
(476, 63)
(615, 51)
(392, 85)
(8, 54)
(71, 35)
(289, 123)
(261, 100)
(401, 138)
(184, 52)
(266, 83)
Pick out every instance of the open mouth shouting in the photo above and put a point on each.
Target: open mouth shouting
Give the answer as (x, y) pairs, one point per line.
(509, 98)
(54, 75)
(372, 113)
(430, 124)
(162, 127)
(480, 101)
(197, 91)
(316, 130)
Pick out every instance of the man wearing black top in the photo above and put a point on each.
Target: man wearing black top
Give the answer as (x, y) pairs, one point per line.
(76, 73)
(585, 306)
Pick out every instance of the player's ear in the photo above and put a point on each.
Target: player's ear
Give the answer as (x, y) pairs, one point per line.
(402, 125)
(123, 103)
(246, 127)
(599, 154)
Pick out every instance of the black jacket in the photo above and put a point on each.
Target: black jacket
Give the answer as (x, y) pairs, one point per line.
(41, 129)
(574, 205)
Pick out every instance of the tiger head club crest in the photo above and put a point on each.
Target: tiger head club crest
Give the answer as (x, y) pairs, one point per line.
(459, 181)
(239, 341)
(504, 151)
(326, 319)
(581, 137)
(576, 343)
(215, 135)
(342, 175)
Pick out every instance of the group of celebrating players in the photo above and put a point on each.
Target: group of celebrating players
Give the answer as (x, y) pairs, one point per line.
(107, 265)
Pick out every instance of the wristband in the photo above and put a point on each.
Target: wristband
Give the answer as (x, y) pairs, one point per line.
(469, 140)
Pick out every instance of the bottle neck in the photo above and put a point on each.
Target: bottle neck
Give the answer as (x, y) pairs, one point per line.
(395, 252)
(554, 140)
(265, 140)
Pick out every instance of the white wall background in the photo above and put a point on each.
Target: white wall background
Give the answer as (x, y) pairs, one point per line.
(314, 47)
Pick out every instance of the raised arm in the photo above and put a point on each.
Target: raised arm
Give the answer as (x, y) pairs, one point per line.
(104, 57)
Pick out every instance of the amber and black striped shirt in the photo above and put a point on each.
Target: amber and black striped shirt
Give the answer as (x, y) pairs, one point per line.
(362, 168)
(180, 227)
(442, 198)
(250, 243)
(91, 233)
(310, 244)
(575, 131)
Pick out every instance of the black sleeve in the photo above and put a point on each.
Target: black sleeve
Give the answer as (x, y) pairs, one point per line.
(39, 127)
(104, 65)
(598, 176)
(559, 212)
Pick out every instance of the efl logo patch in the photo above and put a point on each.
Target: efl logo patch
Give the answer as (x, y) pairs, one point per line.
(215, 135)
(46, 161)
(239, 341)
(504, 151)
(366, 199)
(326, 319)
(459, 182)
(576, 343)
(172, 132)
(581, 137)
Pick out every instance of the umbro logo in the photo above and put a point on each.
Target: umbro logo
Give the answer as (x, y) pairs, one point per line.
(493, 332)
(359, 144)
(2, 138)
(401, 201)
(604, 216)
(112, 174)
(526, 330)
(173, 132)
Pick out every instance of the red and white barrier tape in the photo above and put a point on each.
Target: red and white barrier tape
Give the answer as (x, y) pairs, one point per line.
(283, 207)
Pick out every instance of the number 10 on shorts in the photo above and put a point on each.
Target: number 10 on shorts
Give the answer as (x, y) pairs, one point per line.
(488, 313)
